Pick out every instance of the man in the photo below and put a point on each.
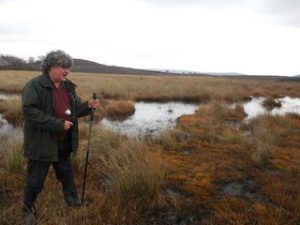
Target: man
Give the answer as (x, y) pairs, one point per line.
(50, 109)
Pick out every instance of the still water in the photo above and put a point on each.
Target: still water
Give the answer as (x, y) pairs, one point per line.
(152, 118)
(255, 108)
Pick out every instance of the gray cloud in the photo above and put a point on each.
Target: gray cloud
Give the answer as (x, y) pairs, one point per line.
(13, 33)
(6, 1)
(213, 3)
(279, 6)
(13, 28)
(286, 12)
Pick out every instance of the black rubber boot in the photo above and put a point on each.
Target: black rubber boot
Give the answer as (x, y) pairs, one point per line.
(29, 215)
(72, 199)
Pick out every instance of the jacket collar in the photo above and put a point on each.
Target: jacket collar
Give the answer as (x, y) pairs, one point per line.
(46, 82)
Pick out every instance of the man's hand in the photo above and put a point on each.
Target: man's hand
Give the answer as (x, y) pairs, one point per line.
(93, 103)
(67, 125)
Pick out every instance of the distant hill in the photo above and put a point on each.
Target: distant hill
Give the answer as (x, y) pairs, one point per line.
(8, 62)
(81, 65)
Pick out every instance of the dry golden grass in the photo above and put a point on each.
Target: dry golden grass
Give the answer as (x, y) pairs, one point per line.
(12, 158)
(119, 109)
(11, 110)
(134, 171)
(220, 111)
(161, 88)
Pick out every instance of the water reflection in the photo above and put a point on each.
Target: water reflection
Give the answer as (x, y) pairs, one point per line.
(150, 118)
(4, 96)
(255, 108)
(5, 126)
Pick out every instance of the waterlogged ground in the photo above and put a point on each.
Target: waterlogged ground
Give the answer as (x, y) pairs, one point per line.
(152, 118)
(255, 108)
(214, 175)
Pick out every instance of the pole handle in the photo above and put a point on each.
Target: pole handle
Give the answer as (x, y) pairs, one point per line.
(94, 97)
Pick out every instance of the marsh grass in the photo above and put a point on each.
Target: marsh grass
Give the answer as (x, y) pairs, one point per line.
(219, 111)
(172, 139)
(118, 110)
(265, 143)
(270, 103)
(13, 159)
(214, 116)
(104, 139)
(11, 110)
(127, 177)
(268, 133)
(161, 88)
(134, 171)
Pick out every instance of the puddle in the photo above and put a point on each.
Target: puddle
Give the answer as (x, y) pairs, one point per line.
(255, 108)
(7, 130)
(245, 189)
(150, 118)
(4, 96)
(5, 127)
(177, 212)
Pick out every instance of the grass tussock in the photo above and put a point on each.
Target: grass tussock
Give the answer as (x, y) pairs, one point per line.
(211, 122)
(134, 170)
(219, 111)
(172, 139)
(270, 103)
(269, 133)
(118, 110)
(265, 143)
(13, 159)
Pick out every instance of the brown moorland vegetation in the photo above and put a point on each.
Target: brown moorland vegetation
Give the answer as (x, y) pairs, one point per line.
(161, 88)
(205, 171)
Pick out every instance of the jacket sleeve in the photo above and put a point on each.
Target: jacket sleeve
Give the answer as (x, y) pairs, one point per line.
(82, 108)
(31, 107)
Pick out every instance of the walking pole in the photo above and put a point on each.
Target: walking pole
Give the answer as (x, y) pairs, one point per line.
(87, 152)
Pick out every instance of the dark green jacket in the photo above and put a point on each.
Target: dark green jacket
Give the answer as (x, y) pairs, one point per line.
(41, 127)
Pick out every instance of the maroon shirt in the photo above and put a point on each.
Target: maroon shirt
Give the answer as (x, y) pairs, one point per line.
(62, 103)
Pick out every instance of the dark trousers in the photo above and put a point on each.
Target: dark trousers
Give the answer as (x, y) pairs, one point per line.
(38, 170)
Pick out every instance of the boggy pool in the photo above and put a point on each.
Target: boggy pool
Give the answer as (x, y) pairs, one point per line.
(152, 118)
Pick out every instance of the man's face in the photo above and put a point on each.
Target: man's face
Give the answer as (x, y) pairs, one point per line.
(59, 74)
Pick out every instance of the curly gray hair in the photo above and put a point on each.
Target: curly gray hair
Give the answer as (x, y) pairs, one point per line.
(56, 58)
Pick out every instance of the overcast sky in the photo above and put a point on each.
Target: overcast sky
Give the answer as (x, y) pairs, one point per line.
(252, 37)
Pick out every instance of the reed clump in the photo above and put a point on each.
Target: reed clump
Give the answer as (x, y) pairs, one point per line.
(269, 133)
(134, 170)
(13, 159)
